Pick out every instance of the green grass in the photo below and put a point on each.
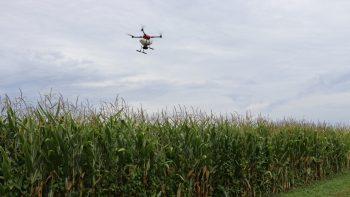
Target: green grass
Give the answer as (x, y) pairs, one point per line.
(337, 186)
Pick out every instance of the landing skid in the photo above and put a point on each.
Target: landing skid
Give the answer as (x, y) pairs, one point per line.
(141, 51)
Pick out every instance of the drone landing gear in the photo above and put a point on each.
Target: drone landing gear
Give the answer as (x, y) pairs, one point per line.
(141, 51)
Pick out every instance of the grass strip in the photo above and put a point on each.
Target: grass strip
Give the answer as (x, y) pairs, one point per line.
(338, 186)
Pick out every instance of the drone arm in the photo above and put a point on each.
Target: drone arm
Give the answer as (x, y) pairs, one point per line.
(156, 36)
(132, 36)
(143, 31)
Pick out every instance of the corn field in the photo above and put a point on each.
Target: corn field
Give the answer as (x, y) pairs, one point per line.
(58, 148)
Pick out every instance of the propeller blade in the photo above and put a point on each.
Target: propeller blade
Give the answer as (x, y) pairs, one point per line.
(131, 35)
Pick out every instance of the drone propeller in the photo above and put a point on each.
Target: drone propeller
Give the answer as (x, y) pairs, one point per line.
(132, 36)
(160, 36)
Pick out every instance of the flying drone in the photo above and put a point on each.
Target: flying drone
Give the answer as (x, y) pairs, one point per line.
(145, 41)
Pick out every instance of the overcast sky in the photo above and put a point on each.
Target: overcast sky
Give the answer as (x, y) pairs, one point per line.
(280, 58)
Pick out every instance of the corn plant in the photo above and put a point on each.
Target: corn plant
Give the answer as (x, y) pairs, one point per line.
(57, 148)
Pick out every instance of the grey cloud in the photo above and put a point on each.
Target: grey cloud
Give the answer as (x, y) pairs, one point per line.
(45, 70)
(330, 82)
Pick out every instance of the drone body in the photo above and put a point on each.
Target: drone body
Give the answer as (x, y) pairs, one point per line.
(145, 40)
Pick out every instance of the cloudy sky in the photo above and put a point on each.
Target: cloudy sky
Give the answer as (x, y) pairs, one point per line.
(279, 58)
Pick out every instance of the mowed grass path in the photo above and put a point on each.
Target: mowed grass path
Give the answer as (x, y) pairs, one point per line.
(338, 186)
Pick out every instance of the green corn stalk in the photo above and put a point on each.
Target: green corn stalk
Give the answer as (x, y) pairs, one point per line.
(55, 148)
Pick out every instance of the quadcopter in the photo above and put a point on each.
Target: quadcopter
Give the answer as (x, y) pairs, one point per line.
(145, 41)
